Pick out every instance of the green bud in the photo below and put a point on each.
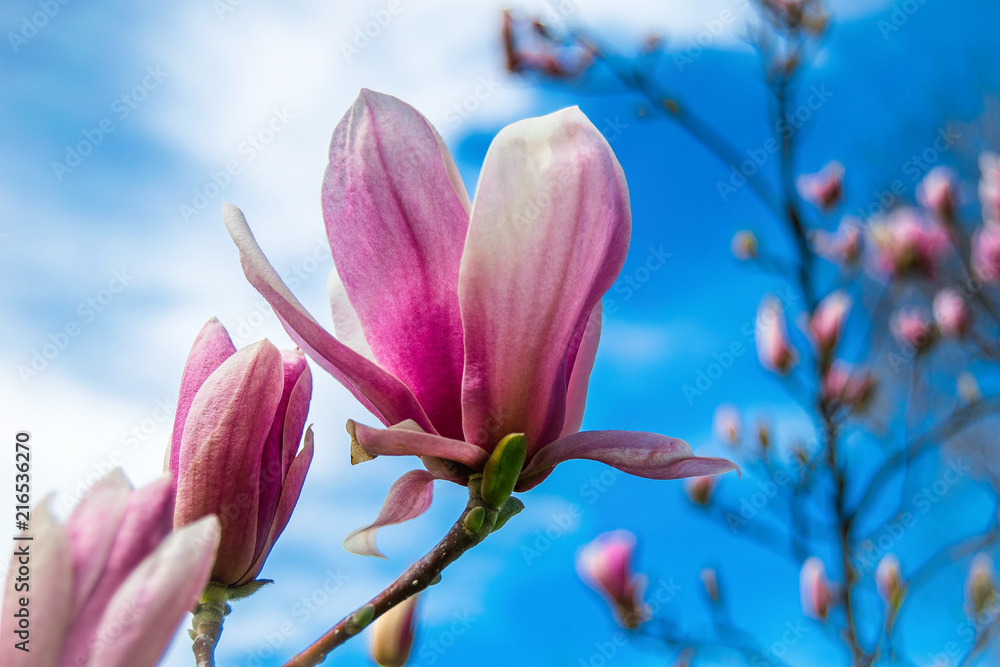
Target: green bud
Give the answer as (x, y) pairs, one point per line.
(511, 507)
(474, 519)
(502, 470)
(361, 619)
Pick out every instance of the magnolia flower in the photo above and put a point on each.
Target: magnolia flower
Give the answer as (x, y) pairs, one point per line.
(913, 328)
(393, 633)
(907, 243)
(109, 587)
(980, 588)
(773, 349)
(823, 189)
(605, 564)
(744, 245)
(240, 417)
(938, 192)
(888, 580)
(814, 590)
(951, 314)
(699, 489)
(986, 252)
(844, 386)
(827, 321)
(727, 424)
(843, 247)
(989, 186)
(461, 323)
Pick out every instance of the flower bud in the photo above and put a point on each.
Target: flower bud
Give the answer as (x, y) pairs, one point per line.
(981, 592)
(845, 386)
(239, 421)
(605, 564)
(814, 590)
(699, 489)
(913, 328)
(908, 243)
(844, 247)
(823, 189)
(827, 322)
(986, 252)
(888, 581)
(938, 192)
(989, 186)
(502, 470)
(727, 424)
(744, 245)
(951, 314)
(773, 349)
(711, 583)
(393, 634)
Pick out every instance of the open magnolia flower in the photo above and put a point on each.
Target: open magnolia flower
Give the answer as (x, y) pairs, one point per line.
(460, 323)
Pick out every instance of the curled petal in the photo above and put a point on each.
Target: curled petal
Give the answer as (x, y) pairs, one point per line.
(405, 439)
(637, 453)
(579, 370)
(144, 614)
(397, 225)
(548, 235)
(408, 498)
(388, 398)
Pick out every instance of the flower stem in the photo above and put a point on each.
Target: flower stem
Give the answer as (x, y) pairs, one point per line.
(207, 626)
(460, 538)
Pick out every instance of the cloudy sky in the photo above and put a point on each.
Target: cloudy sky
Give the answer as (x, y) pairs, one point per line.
(118, 124)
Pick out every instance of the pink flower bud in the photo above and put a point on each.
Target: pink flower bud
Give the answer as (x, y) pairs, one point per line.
(907, 243)
(888, 580)
(951, 314)
(727, 424)
(699, 489)
(711, 583)
(605, 564)
(986, 252)
(823, 189)
(827, 321)
(844, 386)
(744, 245)
(842, 248)
(235, 446)
(989, 186)
(393, 634)
(980, 588)
(913, 328)
(938, 193)
(814, 590)
(773, 349)
(111, 584)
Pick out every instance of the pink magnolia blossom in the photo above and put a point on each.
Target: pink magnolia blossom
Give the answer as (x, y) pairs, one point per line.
(240, 417)
(913, 328)
(907, 242)
(824, 189)
(951, 313)
(986, 252)
(605, 564)
(744, 245)
(846, 386)
(843, 247)
(728, 424)
(773, 349)
(888, 580)
(827, 321)
(814, 589)
(109, 586)
(938, 193)
(462, 322)
(989, 186)
(393, 633)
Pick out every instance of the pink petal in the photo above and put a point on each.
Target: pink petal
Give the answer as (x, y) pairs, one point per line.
(346, 325)
(291, 487)
(408, 498)
(388, 398)
(221, 452)
(210, 349)
(51, 564)
(92, 528)
(396, 227)
(146, 522)
(548, 235)
(580, 367)
(648, 455)
(142, 617)
(403, 440)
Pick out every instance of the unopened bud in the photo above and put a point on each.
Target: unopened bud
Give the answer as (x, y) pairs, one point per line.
(980, 589)
(888, 580)
(393, 634)
(502, 470)
(711, 583)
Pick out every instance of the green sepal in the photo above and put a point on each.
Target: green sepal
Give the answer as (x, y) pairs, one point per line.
(511, 507)
(502, 470)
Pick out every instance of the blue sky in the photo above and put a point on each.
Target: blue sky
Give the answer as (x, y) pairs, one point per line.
(111, 250)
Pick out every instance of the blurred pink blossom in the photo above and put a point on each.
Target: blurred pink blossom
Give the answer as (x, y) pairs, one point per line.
(938, 193)
(989, 186)
(847, 386)
(980, 585)
(699, 489)
(888, 580)
(827, 322)
(744, 245)
(912, 327)
(773, 348)
(951, 313)
(907, 242)
(728, 424)
(986, 252)
(843, 247)
(814, 589)
(825, 188)
(605, 564)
